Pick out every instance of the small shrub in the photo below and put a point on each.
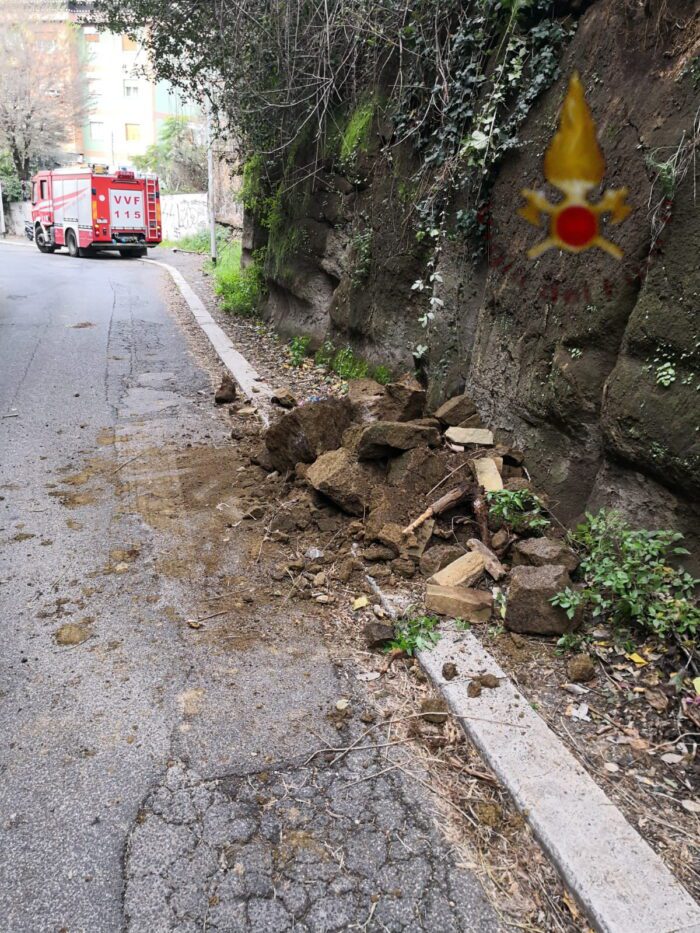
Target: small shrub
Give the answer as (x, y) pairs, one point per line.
(415, 634)
(298, 347)
(348, 366)
(324, 355)
(239, 289)
(382, 375)
(628, 580)
(521, 509)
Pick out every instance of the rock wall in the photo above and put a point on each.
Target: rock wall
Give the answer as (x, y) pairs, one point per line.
(589, 363)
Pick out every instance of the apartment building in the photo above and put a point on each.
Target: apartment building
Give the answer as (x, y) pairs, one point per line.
(125, 107)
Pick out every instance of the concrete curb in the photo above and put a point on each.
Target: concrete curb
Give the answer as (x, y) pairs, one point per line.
(258, 392)
(5, 241)
(620, 882)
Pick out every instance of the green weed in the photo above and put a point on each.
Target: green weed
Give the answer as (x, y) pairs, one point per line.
(382, 374)
(521, 509)
(415, 634)
(349, 366)
(298, 347)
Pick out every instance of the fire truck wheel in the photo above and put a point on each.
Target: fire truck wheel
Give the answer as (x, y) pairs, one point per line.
(40, 240)
(72, 245)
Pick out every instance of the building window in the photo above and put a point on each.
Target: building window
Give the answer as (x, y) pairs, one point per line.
(129, 44)
(131, 89)
(91, 34)
(97, 132)
(132, 131)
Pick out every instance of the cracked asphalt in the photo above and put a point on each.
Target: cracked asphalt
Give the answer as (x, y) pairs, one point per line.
(155, 777)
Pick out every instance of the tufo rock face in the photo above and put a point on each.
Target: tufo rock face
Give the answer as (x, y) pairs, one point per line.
(561, 356)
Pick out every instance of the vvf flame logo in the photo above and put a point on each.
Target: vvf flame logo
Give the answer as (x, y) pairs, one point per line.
(574, 164)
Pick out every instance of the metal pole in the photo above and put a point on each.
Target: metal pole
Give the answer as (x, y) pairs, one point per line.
(210, 188)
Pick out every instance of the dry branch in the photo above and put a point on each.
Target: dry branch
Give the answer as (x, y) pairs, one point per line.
(443, 504)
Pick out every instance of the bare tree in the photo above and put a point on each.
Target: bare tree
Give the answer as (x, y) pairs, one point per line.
(42, 101)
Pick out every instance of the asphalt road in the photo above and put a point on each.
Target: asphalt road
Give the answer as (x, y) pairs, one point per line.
(131, 789)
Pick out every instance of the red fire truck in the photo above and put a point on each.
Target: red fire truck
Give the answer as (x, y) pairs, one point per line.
(88, 209)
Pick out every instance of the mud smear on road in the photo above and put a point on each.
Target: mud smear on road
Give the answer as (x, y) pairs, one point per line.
(197, 502)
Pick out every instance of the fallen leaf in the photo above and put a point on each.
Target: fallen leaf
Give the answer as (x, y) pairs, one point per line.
(611, 767)
(692, 806)
(572, 905)
(657, 699)
(194, 623)
(342, 704)
(580, 712)
(671, 758)
(575, 689)
(637, 658)
(360, 602)
(696, 684)
(367, 676)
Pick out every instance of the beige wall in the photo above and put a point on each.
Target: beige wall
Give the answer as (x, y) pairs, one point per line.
(119, 98)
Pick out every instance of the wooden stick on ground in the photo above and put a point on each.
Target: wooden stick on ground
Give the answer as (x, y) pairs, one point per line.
(443, 504)
(481, 513)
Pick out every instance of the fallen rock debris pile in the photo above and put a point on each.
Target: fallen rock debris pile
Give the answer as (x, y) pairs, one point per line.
(414, 487)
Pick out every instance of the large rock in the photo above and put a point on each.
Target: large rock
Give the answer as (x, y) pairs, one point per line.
(418, 470)
(403, 400)
(377, 634)
(456, 410)
(487, 475)
(343, 480)
(368, 398)
(479, 437)
(438, 557)
(529, 610)
(304, 433)
(464, 571)
(538, 552)
(459, 602)
(384, 438)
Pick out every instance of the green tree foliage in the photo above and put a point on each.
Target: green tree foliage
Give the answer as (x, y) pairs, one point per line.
(9, 179)
(179, 158)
